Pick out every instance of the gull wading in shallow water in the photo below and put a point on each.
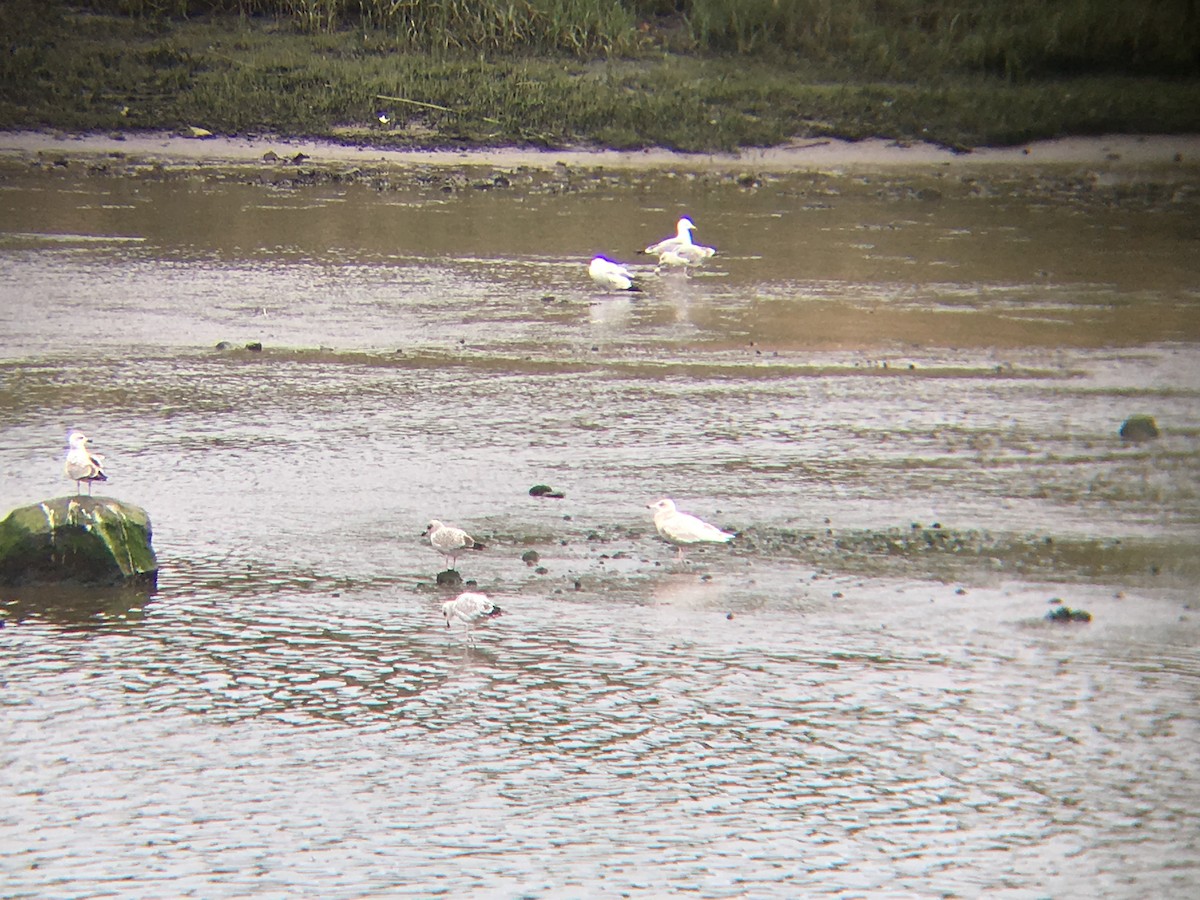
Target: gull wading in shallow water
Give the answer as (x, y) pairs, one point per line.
(681, 245)
(682, 529)
(609, 274)
(470, 608)
(82, 464)
(674, 260)
(450, 541)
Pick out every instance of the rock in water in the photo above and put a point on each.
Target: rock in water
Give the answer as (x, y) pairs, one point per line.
(88, 540)
(1139, 428)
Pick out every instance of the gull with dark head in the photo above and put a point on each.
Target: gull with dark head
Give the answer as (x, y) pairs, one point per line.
(81, 464)
(682, 529)
(449, 541)
(614, 276)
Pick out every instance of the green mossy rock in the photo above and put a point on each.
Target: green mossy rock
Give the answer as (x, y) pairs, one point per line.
(86, 540)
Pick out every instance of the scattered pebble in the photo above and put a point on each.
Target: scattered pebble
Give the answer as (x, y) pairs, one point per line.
(1066, 614)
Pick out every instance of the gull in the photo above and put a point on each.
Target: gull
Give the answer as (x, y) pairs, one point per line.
(681, 244)
(680, 258)
(609, 274)
(671, 260)
(449, 541)
(682, 529)
(685, 254)
(81, 464)
(469, 608)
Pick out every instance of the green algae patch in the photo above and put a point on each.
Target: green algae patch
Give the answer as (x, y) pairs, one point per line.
(84, 540)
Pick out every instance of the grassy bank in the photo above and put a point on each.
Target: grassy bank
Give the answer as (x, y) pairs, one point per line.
(718, 77)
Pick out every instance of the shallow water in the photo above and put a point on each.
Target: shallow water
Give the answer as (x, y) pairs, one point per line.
(903, 392)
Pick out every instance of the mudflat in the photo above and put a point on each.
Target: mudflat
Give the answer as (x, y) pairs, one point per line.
(800, 155)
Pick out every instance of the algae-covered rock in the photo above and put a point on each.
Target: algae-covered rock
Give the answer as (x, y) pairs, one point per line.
(89, 540)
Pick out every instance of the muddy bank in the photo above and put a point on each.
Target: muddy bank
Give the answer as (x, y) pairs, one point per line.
(1123, 152)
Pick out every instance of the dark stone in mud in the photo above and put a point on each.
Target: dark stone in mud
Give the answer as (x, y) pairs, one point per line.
(530, 557)
(1139, 428)
(223, 345)
(254, 347)
(544, 490)
(1066, 614)
(449, 578)
(80, 540)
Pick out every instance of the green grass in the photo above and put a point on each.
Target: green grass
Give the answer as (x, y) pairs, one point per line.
(311, 74)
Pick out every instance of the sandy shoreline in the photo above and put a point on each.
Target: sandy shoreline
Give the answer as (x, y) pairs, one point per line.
(1181, 152)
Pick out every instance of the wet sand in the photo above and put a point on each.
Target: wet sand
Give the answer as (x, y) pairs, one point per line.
(1111, 151)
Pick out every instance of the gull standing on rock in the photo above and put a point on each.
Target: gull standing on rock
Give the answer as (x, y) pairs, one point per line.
(469, 608)
(82, 464)
(682, 529)
(450, 541)
(609, 274)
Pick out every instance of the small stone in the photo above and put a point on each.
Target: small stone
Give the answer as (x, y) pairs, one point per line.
(544, 490)
(1138, 428)
(224, 345)
(530, 557)
(541, 570)
(1066, 614)
(254, 347)
(449, 578)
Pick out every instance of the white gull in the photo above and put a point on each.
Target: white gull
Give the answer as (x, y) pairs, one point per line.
(469, 608)
(682, 529)
(609, 274)
(82, 464)
(681, 245)
(450, 541)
